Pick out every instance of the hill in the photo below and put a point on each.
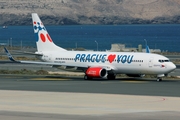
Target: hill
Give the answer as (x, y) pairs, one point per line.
(58, 12)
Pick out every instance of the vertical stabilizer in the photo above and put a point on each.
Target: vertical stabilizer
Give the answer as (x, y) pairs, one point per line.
(147, 49)
(43, 39)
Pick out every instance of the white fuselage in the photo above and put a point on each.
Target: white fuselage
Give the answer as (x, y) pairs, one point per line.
(119, 62)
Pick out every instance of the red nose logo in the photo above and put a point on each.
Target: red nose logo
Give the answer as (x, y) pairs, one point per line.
(162, 65)
(111, 58)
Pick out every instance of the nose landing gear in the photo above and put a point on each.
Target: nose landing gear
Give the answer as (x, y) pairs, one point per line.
(159, 77)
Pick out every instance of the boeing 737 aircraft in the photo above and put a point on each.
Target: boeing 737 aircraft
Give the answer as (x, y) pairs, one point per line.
(96, 64)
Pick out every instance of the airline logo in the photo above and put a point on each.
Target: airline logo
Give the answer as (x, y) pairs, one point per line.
(104, 57)
(41, 32)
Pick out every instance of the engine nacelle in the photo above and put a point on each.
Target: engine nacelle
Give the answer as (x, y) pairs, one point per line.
(135, 75)
(96, 72)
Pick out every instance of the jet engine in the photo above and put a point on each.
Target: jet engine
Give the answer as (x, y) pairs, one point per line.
(96, 72)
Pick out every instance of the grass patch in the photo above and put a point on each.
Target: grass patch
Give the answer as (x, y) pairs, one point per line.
(24, 71)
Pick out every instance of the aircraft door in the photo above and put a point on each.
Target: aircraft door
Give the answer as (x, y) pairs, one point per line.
(50, 57)
(47, 57)
(150, 62)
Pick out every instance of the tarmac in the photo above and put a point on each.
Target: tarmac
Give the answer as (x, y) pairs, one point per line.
(26, 97)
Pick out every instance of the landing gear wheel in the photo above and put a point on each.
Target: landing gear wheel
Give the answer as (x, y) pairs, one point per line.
(87, 78)
(111, 77)
(159, 79)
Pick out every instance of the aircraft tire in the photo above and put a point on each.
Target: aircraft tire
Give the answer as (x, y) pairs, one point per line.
(87, 78)
(159, 79)
(111, 77)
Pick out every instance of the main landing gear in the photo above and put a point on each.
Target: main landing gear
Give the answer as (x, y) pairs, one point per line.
(111, 76)
(159, 79)
(87, 78)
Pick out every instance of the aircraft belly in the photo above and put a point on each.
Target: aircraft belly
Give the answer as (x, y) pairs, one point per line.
(129, 69)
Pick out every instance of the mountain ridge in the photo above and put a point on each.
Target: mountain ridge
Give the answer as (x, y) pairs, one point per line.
(74, 12)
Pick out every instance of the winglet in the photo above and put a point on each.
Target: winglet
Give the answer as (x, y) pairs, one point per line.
(9, 55)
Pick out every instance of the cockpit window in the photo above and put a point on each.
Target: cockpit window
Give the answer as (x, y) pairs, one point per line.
(160, 60)
(164, 61)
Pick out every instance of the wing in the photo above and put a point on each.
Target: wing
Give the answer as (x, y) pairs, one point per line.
(39, 62)
(78, 66)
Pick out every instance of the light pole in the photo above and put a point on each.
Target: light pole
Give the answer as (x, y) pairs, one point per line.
(97, 44)
(145, 41)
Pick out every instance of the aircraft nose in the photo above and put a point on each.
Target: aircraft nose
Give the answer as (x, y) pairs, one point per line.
(172, 66)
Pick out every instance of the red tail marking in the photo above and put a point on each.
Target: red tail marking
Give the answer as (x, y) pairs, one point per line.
(49, 38)
(42, 37)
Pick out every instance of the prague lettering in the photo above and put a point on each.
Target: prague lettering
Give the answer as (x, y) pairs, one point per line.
(104, 57)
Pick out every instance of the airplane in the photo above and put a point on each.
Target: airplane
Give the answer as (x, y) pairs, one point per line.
(147, 49)
(96, 64)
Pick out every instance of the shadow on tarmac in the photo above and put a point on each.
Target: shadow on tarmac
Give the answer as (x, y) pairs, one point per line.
(125, 79)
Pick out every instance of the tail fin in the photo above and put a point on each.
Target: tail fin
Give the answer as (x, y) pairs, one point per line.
(43, 40)
(147, 49)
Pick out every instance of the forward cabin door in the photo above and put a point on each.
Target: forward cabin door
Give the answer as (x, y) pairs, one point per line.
(150, 63)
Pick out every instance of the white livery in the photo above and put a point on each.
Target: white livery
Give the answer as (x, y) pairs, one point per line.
(97, 64)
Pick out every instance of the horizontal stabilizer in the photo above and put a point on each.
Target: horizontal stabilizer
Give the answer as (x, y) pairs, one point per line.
(28, 53)
(9, 55)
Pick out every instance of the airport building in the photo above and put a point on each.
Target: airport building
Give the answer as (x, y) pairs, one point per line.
(122, 48)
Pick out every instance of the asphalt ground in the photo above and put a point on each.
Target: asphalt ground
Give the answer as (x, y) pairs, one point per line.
(51, 97)
(75, 84)
(62, 97)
